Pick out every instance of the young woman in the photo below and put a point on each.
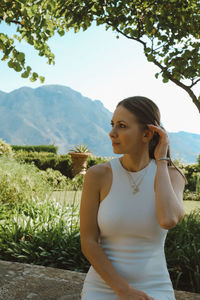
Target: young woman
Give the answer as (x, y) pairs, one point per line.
(127, 207)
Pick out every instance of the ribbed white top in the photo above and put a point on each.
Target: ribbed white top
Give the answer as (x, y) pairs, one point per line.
(131, 237)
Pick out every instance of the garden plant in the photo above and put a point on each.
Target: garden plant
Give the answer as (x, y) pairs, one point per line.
(36, 227)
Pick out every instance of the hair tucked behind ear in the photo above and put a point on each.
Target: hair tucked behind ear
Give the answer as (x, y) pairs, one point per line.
(147, 112)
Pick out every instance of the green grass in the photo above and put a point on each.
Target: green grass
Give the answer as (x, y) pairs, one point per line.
(68, 196)
(189, 206)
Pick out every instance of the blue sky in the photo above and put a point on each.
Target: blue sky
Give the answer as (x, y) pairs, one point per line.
(102, 67)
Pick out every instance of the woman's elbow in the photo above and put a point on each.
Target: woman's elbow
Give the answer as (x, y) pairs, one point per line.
(172, 223)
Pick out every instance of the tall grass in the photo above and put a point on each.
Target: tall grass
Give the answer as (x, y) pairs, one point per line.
(43, 232)
(20, 182)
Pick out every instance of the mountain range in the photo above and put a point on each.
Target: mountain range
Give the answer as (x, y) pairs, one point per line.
(55, 114)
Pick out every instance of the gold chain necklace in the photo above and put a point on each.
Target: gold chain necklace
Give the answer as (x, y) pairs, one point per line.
(134, 184)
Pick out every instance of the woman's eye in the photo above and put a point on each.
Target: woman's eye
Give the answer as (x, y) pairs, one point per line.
(120, 125)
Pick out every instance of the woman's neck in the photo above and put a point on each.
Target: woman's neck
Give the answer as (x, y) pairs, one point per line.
(135, 163)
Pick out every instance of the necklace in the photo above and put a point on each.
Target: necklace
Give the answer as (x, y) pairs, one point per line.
(135, 184)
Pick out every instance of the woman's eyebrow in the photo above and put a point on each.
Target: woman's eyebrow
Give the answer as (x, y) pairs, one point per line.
(119, 121)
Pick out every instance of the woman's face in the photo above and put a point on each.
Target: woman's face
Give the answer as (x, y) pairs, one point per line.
(125, 134)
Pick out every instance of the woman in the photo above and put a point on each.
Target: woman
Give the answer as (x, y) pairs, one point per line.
(128, 204)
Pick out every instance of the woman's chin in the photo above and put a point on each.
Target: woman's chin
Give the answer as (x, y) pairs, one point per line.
(116, 151)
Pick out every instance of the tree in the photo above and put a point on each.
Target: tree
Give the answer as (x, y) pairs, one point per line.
(168, 30)
(36, 22)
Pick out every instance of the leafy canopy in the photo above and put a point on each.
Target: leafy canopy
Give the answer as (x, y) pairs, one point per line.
(169, 31)
(36, 21)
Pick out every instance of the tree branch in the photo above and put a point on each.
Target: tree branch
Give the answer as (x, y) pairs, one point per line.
(170, 77)
(194, 82)
(183, 86)
(13, 21)
(128, 37)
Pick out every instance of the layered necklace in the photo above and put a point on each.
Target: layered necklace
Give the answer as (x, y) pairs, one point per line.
(135, 183)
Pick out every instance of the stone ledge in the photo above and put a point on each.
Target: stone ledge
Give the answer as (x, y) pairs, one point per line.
(24, 281)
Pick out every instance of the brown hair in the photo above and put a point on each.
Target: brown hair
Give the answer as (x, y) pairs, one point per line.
(147, 112)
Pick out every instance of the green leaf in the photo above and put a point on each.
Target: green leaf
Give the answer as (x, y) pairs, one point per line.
(150, 57)
(10, 64)
(34, 77)
(20, 57)
(17, 67)
(28, 69)
(42, 79)
(25, 74)
(61, 32)
(147, 50)
(93, 8)
(165, 80)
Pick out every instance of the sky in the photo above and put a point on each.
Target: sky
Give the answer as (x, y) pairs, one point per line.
(104, 68)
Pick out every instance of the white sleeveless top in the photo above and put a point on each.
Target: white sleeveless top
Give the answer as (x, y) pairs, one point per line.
(131, 237)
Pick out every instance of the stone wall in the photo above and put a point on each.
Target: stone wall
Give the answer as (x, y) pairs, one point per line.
(23, 282)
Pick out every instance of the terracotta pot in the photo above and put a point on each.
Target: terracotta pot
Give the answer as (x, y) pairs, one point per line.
(79, 162)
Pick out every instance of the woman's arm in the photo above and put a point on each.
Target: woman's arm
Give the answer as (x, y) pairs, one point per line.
(169, 187)
(89, 231)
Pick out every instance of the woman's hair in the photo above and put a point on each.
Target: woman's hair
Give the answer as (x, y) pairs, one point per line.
(147, 112)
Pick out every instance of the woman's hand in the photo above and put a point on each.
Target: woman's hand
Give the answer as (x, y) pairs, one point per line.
(162, 146)
(133, 294)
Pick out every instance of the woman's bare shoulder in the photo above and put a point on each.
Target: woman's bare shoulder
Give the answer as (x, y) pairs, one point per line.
(99, 169)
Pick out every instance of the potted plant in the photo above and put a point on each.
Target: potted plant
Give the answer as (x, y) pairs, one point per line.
(79, 157)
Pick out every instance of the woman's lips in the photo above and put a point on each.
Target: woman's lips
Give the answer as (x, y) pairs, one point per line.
(115, 144)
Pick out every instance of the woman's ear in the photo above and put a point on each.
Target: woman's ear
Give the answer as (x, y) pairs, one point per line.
(148, 135)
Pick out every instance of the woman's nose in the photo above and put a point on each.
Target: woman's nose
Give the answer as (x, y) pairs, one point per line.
(113, 133)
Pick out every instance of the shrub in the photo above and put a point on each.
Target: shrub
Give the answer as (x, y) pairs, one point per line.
(192, 196)
(44, 160)
(92, 160)
(191, 172)
(76, 183)
(182, 250)
(38, 148)
(198, 182)
(20, 182)
(48, 233)
(55, 179)
(5, 148)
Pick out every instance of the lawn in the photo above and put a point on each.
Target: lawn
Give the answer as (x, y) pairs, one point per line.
(191, 205)
(70, 196)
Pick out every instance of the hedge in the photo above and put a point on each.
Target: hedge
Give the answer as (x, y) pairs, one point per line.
(38, 148)
(45, 160)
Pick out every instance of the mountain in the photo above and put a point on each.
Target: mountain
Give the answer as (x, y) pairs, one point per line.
(185, 146)
(57, 114)
(54, 114)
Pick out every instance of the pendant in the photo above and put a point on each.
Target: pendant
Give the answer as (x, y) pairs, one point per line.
(135, 189)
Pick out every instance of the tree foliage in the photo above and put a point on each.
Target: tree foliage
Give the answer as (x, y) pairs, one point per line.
(169, 31)
(36, 22)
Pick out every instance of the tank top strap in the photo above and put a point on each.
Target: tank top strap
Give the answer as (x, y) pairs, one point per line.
(116, 170)
(114, 164)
